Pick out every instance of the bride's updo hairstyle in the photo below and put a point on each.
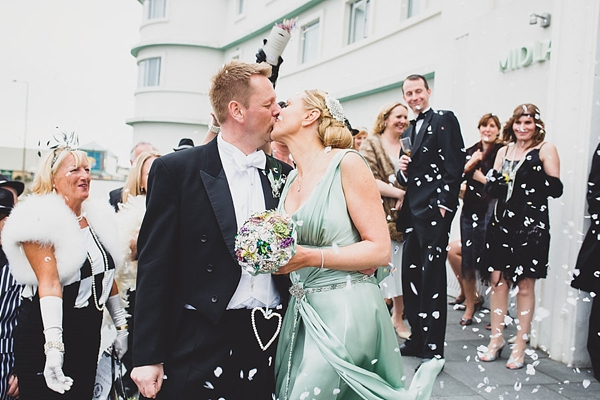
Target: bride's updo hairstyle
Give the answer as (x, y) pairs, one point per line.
(332, 130)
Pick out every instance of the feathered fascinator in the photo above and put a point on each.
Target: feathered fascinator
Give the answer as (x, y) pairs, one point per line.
(62, 141)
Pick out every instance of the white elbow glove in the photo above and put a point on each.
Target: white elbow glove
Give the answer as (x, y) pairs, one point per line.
(119, 317)
(52, 313)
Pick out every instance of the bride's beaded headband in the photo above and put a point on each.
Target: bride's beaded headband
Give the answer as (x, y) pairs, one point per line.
(335, 108)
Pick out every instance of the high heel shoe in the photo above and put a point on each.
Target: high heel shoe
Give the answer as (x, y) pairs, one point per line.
(513, 363)
(466, 321)
(402, 334)
(490, 355)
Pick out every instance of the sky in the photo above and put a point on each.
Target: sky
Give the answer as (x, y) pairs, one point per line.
(75, 57)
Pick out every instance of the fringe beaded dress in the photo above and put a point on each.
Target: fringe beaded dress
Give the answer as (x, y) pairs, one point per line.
(337, 340)
(518, 236)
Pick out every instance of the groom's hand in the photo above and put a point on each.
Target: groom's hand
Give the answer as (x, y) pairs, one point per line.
(149, 379)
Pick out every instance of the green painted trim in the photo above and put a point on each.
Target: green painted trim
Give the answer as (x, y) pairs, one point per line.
(260, 31)
(381, 89)
(135, 50)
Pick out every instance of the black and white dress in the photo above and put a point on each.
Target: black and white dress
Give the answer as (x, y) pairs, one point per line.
(518, 236)
(86, 260)
(82, 319)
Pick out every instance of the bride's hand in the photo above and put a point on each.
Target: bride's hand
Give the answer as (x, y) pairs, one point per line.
(368, 271)
(300, 260)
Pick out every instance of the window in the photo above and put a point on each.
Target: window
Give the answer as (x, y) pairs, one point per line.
(414, 7)
(149, 72)
(155, 8)
(359, 14)
(310, 41)
(240, 7)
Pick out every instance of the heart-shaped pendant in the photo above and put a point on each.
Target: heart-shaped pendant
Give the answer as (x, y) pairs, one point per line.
(269, 316)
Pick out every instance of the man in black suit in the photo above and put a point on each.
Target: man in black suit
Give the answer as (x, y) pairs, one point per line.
(195, 319)
(587, 275)
(432, 174)
(115, 196)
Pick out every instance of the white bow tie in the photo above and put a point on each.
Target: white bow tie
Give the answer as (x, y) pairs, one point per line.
(256, 160)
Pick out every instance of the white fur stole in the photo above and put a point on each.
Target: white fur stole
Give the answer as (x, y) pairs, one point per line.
(49, 221)
(129, 218)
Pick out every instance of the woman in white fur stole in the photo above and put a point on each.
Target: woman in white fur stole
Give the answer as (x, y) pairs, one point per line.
(65, 249)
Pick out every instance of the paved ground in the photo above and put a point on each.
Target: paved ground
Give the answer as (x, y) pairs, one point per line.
(466, 378)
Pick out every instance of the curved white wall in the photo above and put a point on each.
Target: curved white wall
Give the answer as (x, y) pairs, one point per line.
(459, 43)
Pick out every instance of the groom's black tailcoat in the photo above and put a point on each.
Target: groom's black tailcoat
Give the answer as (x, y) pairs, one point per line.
(433, 179)
(186, 258)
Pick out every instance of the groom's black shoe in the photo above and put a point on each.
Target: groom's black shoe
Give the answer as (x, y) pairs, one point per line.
(410, 349)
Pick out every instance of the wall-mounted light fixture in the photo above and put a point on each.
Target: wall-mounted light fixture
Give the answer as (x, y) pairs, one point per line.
(544, 19)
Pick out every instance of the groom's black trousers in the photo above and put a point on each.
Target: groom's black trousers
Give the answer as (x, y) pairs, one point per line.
(220, 361)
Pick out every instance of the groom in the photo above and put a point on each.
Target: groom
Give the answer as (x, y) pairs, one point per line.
(195, 335)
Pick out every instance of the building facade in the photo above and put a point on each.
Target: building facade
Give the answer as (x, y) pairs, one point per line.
(480, 56)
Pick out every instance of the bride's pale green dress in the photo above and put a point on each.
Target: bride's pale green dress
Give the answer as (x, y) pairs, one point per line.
(337, 340)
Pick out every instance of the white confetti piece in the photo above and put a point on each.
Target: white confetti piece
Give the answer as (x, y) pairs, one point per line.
(586, 383)
(208, 385)
(414, 289)
(541, 313)
(251, 373)
(218, 371)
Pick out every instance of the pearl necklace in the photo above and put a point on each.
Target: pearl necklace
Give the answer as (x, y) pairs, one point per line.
(104, 256)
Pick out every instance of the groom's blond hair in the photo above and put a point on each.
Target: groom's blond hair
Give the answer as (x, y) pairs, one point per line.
(232, 83)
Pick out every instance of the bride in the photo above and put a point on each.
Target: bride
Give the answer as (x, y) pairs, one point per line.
(337, 340)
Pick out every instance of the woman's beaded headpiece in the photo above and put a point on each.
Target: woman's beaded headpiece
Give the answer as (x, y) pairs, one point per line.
(335, 108)
(63, 141)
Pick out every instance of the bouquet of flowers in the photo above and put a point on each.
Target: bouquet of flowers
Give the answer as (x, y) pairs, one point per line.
(266, 242)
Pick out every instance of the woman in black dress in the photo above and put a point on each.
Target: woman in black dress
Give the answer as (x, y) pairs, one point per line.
(64, 248)
(526, 172)
(465, 254)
